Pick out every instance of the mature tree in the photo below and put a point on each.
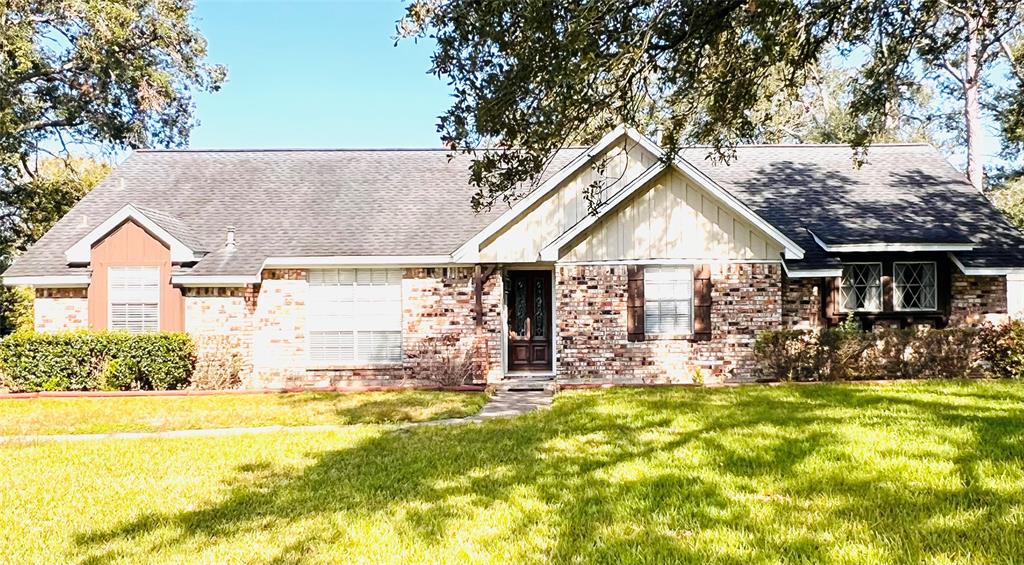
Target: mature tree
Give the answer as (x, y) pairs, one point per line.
(969, 42)
(28, 209)
(109, 74)
(116, 73)
(530, 76)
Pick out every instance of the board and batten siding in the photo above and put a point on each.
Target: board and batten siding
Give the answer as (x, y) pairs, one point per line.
(672, 218)
(131, 245)
(566, 206)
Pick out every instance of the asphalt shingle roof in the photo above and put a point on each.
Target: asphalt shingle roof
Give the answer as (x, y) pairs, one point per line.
(284, 203)
(904, 193)
(417, 202)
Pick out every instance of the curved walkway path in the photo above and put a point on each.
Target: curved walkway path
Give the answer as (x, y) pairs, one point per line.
(502, 404)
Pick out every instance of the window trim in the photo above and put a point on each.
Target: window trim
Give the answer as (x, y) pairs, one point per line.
(935, 286)
(881, 289)
(355, 363)
(649, 335)
(110, 301)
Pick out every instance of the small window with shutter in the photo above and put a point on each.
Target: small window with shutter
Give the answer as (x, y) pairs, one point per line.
(668, 301)
(133, 294)
(355, 316)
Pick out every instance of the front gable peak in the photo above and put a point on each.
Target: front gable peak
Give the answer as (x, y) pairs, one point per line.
(167, 229)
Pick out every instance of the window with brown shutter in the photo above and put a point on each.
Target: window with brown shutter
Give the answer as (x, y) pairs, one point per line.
(635, 302)
(702, 303)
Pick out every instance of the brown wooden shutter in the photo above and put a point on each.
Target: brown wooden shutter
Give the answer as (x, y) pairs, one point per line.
(702, 303)
(635, 302)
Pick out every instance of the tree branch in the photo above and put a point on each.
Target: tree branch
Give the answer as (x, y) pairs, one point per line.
(47, 124)
(946, 66)
(1017, 67)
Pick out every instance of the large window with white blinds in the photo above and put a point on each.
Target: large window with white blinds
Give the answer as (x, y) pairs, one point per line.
(133, 294)
(355, 316)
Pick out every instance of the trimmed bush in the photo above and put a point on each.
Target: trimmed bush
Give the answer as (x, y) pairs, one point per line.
(84, 360)
(847, 354)
(1002, 348)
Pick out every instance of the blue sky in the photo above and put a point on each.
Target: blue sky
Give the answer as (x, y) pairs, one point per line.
(327, 73)
(316, 74)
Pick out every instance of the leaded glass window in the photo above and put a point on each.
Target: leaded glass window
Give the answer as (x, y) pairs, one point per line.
(914, 286)
(861, 288)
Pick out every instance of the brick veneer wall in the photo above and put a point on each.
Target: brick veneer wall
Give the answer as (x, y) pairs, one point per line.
(441, 301)
(976, 300)
(222, 318)
(58, 309)
(591, 319)
(801, 303)
(269, 323)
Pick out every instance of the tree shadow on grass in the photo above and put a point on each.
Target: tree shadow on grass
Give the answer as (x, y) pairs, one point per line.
(389, 407)
(752, 475)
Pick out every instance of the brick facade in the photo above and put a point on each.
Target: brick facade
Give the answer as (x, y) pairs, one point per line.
(802, 303)
(59, 309)
(973, 300)
(591, 319)
(976, 300)
(265, 324)
(268, 324)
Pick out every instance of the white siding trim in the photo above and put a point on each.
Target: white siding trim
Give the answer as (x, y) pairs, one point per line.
(681, 262)
(214, 280)
(358, 260)
(811, 273)
(470, 251)
(551, 251)
(81, 251)
(883, 246)
(985, 271)
(49, 281)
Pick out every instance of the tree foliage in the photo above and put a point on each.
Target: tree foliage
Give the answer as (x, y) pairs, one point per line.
(118, 73)
(107, 74)
(28, 210)
(530, 76)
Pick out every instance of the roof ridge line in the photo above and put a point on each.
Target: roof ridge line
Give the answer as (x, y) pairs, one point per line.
(311, 149)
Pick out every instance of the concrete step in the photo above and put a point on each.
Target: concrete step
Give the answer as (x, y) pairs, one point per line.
(527, 385)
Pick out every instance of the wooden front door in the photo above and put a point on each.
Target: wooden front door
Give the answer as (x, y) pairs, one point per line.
(529, 321)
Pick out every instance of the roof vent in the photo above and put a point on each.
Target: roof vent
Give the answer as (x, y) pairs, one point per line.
(230, 242)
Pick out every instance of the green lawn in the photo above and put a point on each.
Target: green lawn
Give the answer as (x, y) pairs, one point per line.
(904, 473)
(148, 414)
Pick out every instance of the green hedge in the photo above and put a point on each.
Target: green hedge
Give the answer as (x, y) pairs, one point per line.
(84, 360)
(847, 354)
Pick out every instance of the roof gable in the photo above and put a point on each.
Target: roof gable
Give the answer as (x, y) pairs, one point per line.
(156, 224)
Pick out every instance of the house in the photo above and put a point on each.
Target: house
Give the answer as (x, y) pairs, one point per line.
(318, 267)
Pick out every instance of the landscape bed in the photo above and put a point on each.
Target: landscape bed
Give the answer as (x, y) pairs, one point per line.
(910, 472)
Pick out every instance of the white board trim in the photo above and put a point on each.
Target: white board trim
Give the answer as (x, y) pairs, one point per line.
(81, 251)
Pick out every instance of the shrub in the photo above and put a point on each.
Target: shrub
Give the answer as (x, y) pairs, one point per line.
(846, 354)
(447, 361)
(218, 363)
(785, 355)
(1002, 349)
(83, 360)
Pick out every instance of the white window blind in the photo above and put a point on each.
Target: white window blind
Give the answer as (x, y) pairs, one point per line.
(861, 288)
(668, 300)
(355, 315)
(133, 294)
(914, 286)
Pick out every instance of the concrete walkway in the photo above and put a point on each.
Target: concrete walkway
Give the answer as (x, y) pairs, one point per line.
(502, 404)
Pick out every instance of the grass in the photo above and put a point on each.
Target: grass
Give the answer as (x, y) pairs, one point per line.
(904, 473)
(149, 414)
